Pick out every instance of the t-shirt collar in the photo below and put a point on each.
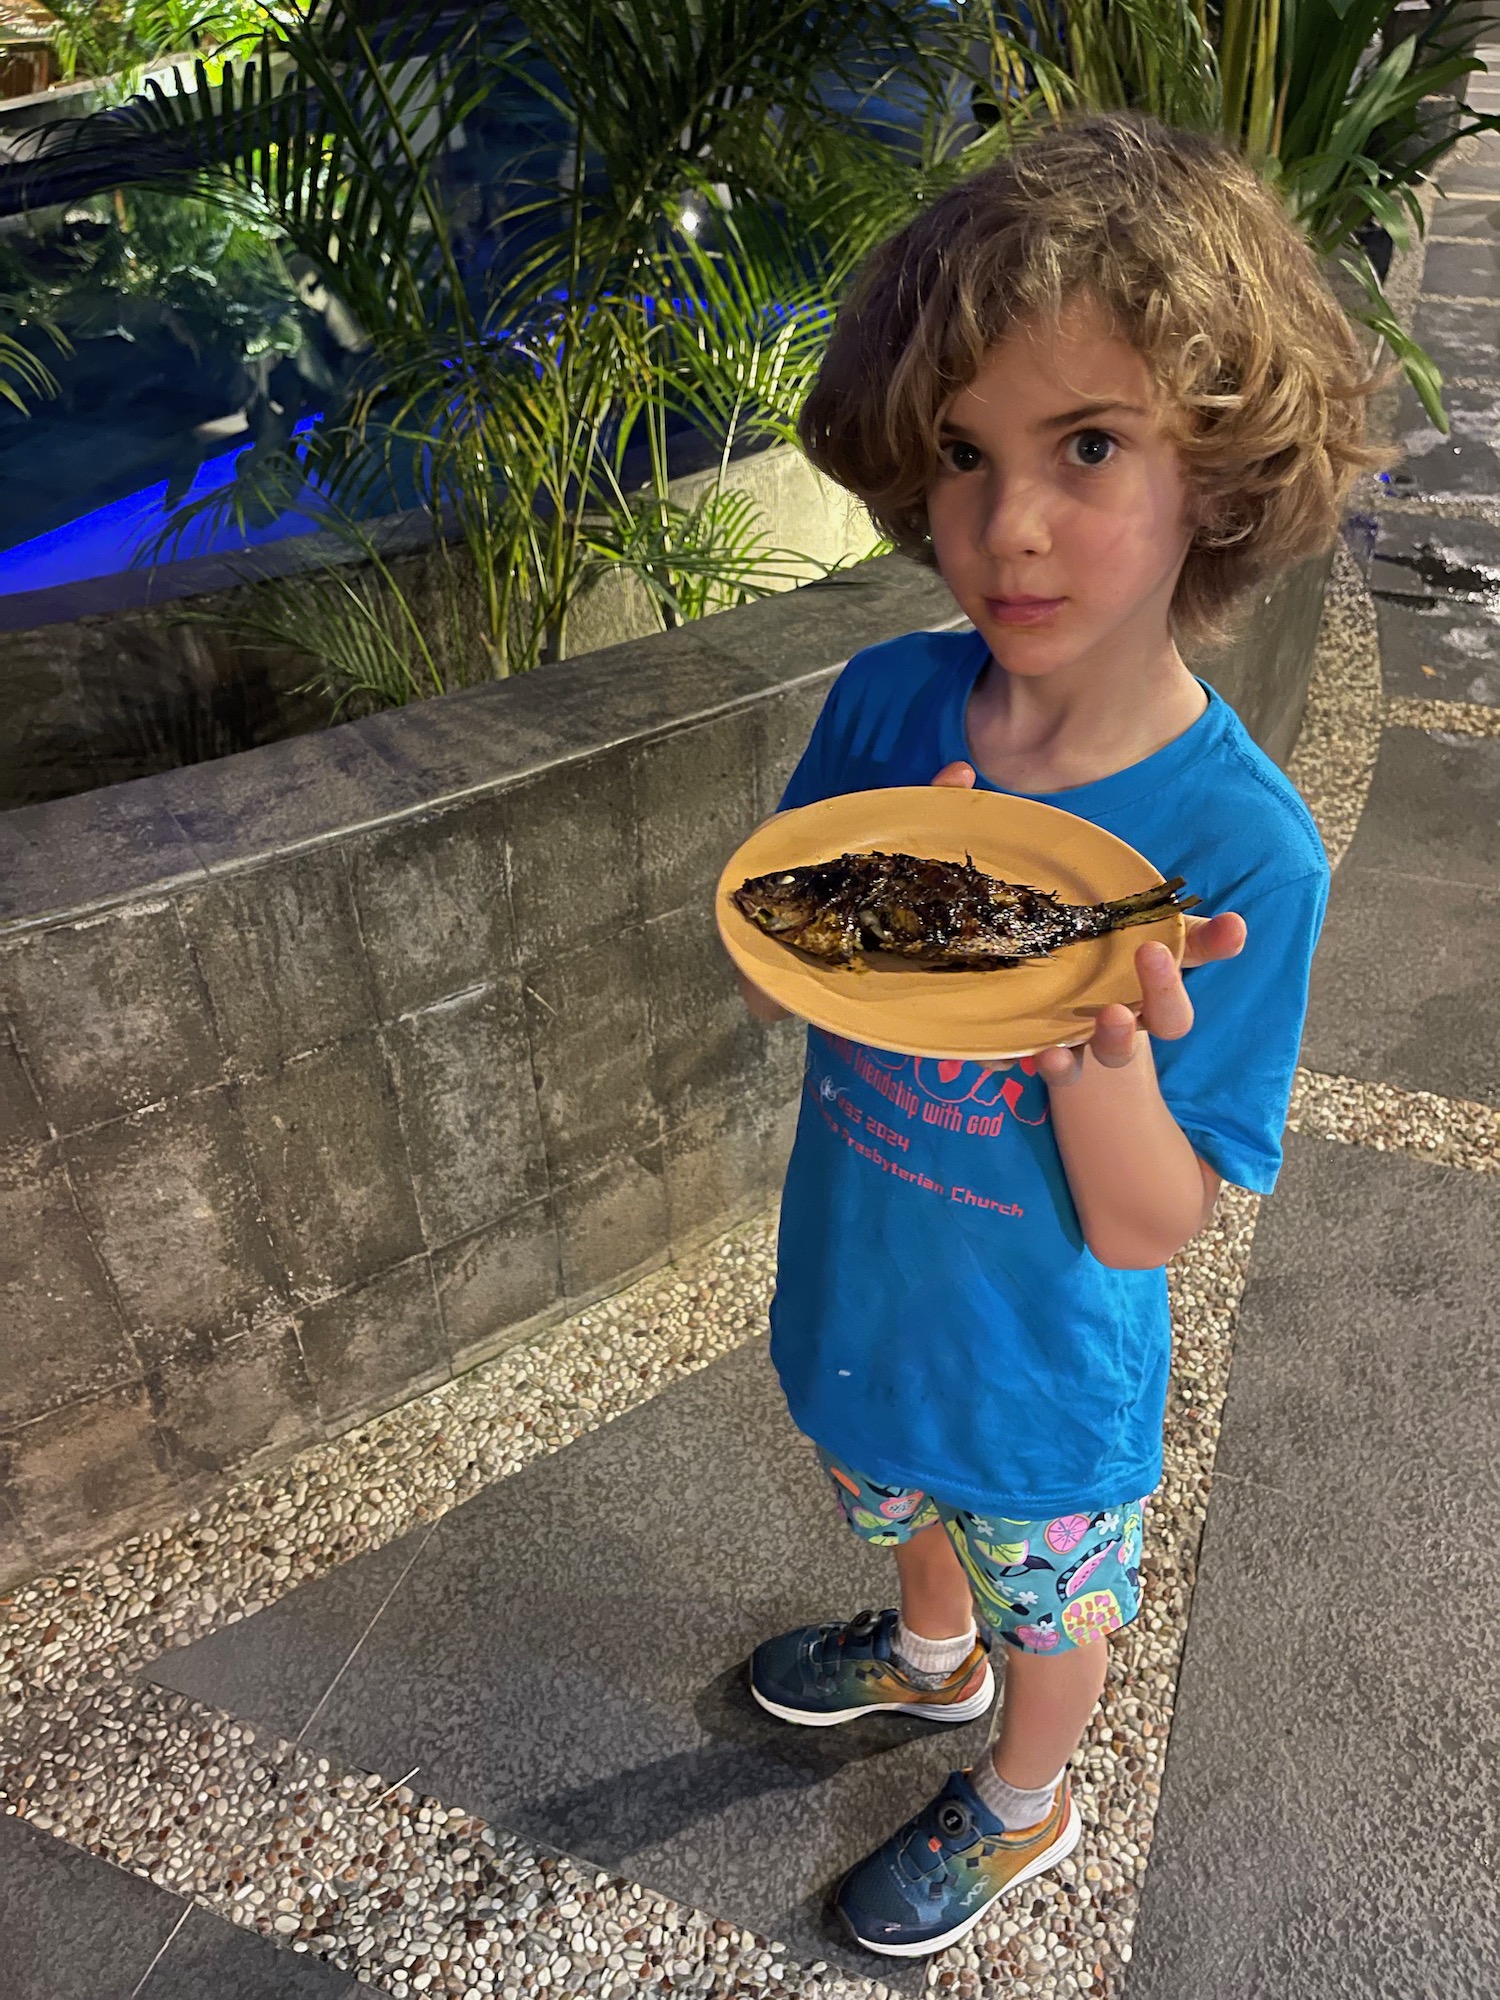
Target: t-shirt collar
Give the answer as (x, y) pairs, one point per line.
(1119, 788)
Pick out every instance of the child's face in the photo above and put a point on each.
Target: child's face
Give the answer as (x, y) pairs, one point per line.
(1058, 514)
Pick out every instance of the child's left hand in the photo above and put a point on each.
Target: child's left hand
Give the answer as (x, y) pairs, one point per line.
(1165, 1010)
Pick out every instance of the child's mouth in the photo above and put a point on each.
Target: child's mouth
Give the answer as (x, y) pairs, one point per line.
(1023, 610)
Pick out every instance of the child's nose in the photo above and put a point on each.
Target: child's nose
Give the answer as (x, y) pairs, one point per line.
(1016, 523)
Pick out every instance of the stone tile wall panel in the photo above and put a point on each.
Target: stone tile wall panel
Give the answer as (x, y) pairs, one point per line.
(591, 1053)
(693, 800)
(238, 810)
(280, 951)
(221, 1407)
(16, 1556)
(496, 1281)
(62, 1331)
(21, 1120)
(73, 853)
(375, 1345)
(571, 850)
(612, 1223)
(433, 898)
(111, 1014)
(786, 722)
(175, 1215)
(705, 1047)
(469, 1109)
(330, 1159)
(719, 1163)
(86, 1475)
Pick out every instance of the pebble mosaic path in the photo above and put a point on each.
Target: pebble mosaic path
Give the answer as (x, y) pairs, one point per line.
(407, 1894)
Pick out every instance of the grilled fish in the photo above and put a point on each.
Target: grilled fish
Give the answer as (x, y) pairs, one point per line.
(939, 914)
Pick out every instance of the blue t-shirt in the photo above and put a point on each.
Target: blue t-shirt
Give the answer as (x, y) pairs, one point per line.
(938, 1320)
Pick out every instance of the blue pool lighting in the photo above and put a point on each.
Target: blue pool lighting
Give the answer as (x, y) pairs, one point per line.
(111, 538)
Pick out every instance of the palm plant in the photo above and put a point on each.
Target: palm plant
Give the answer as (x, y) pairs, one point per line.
(112, 41)
(506, 403)
(22, 372)
(1348, 133)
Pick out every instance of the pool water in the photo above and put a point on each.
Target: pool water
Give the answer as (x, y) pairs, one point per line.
(112, 537)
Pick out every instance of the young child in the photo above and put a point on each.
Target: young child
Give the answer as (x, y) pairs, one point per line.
(1103, 388)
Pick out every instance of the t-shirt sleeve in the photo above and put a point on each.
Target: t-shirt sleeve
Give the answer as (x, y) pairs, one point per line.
(1229, 1080)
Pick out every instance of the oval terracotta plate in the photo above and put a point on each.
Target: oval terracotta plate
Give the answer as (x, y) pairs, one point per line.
(980, 1016)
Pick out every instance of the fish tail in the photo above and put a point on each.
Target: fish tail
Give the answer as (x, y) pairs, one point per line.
(1148, 905)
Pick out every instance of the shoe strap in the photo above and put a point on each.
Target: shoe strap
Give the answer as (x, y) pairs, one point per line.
(859, 1637)
(944, 1827)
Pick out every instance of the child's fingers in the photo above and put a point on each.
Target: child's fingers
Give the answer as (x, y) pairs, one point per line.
(1112, 1044)
(1210, 938)
(1059, 1066)
(1113, 1041)
(961, 775)
(1166, 1010)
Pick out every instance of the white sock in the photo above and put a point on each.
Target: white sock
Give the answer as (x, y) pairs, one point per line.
(1013, 1807)
(929, 1658)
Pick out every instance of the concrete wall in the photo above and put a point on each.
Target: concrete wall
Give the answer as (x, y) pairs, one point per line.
(330, 1068)
(1262, 673)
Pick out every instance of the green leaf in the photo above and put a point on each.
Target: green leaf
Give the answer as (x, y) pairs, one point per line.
(1378, 314)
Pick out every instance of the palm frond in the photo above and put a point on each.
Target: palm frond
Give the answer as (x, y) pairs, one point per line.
(1379, 316)
(334, 129)
(694, 560)
(1100, 55)
(23, 373)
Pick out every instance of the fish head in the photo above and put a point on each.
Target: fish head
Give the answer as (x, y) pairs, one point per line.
(778, 904)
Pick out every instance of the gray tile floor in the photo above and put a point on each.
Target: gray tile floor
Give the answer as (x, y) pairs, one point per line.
(77, 1929)
(1329, 1819)
(1462, 339)
(1404, 986)
(1467, 459)
(1436, 585)
(566, 1653)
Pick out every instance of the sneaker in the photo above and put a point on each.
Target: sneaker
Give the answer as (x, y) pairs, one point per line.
(933, 1880)
(822, 1674)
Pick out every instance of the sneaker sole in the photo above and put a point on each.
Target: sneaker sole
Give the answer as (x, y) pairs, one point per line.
(1064, 1844)
(948, 1711)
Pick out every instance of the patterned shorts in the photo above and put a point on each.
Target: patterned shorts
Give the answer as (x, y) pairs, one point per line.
(1041, 1586)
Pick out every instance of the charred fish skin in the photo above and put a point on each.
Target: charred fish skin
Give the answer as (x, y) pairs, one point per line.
(941, 915)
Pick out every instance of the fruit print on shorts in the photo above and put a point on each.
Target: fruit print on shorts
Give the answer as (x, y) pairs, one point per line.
(1092, 1616)
(1066, 1532)
(1041, 1586)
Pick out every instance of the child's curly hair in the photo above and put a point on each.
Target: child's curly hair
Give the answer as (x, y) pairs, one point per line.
(1195, 262)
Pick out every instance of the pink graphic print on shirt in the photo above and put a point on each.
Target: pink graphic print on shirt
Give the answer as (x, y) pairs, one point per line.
(912, 1092)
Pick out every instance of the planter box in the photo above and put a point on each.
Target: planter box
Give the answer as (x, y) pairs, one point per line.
(103, 681)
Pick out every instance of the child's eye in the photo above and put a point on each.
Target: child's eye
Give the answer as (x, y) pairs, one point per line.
(960, 454)
(1090, 448)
